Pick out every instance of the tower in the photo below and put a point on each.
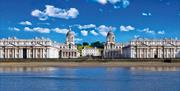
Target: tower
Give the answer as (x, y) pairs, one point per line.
(110, 39)
(70, 37)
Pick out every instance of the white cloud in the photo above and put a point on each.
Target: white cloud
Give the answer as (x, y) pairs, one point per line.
(102, 1)
(40, 14)
(126, 28)
(62, 31)
(86, 26)
(52, 11)
(147, 30)
(38, 29)
(93, 32)
(146, 14)
(115, 3)
(41, 30)
(46, 30)
(125, 3)
(84, 32)
(161, 32)
(28, 29)
(25, 23)
(103, 30)
(14, 28)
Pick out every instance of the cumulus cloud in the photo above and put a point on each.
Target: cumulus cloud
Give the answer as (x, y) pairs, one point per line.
(161, 32)
(28, 29)
(25, 23)
(103, 30)
(126, 28)
(38, 29)
(46, 30)
(59, 30)
(84, 32)
(52, 11)
(14, 28)
(40, 14)
(86, 26)
(93, 32)
(42, 30)
(115, 3)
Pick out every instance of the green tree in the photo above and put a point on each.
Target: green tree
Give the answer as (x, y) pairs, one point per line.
(78, 44)
(85, 44)
(97, 44)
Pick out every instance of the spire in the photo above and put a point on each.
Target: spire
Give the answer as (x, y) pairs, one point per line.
(70, 28)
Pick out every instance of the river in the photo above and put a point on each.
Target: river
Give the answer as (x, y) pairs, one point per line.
(89, 79)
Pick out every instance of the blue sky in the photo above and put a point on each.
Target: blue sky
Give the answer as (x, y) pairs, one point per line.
(90, 19)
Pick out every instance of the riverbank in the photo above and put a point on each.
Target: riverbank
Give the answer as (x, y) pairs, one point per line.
(90, 60)
(88, 64)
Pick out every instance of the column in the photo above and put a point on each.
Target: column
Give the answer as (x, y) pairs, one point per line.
(0, 53)
(47, 53)
(41, 54)
(8, 53)
(34, 52)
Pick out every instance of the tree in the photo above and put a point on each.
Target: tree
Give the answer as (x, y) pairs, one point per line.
(85, 44)
(97, 44)
(78, 44)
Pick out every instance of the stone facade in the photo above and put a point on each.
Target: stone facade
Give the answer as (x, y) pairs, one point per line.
(69, 49)
(32, 48)
(145, 48)
(112, 49)
(45, 48)
(38, 48)
(91, 52)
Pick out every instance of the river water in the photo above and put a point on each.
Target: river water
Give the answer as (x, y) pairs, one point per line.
(89, 79)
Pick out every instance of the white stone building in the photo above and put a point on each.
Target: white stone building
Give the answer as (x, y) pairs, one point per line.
(146, 48)
(29, 48)
(112, 49)
(69, 49)
(38, 48)
(91, 52)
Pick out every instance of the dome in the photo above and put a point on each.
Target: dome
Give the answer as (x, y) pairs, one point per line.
(70, 33)
(110, 33)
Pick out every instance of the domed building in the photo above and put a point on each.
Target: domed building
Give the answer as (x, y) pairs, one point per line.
(112, 49)
(69, 49)
(70, 37)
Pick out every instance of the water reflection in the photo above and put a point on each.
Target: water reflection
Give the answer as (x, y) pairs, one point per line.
(25, 69)
(71, 71)
(155, 68)
(89, 79)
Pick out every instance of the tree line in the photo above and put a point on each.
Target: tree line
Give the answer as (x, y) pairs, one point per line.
(96, 44)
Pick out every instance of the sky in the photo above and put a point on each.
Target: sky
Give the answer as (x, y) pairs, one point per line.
(90, 19)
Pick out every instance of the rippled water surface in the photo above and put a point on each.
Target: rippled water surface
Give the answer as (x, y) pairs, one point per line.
(90, 79)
